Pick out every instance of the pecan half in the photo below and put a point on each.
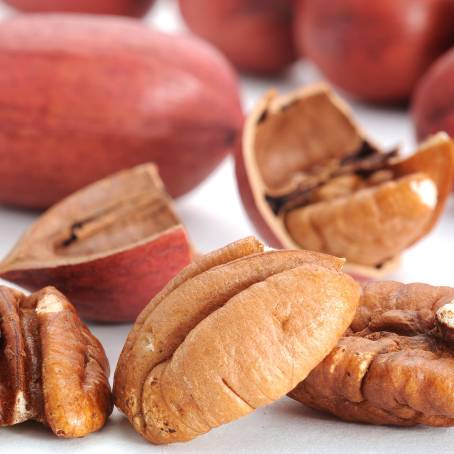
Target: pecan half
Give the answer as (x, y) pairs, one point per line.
(52, 369)
(235, 330)
(396, 364)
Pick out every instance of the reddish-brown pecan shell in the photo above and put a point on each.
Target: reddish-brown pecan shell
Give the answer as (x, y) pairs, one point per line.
(109, 247)
(310, 178)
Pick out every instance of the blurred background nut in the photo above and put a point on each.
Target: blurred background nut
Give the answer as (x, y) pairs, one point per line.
(52, 369)
(234, 331)
(377, 51)
(392, 367)
(110, 246)
(433, 102)
(137, 8)
(82, 97)
(255, 35)
(310, 178)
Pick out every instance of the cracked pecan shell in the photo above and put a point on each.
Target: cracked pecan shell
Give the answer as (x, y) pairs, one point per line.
(396, 363)
(109, 247)
(235, 330)
(310, 178)
(52, 369)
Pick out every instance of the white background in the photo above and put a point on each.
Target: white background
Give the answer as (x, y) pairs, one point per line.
(214, 216)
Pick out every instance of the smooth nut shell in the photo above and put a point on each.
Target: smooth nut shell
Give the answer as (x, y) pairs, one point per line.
(433, 101)
(256, 36)
(110, 246)
(376, 51)
(135, 8)
(230, 345)
(82, 97)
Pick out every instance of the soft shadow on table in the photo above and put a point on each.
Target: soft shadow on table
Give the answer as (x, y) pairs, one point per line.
(302, 411)
(117, 427)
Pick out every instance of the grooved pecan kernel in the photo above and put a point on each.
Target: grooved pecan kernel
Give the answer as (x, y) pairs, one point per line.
(52, 369)
(235, 330)
(395, 365)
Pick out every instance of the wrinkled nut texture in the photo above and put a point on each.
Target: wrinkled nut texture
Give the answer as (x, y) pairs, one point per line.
(52, 369)
(310, 178)
(235, 330)
(396, 364)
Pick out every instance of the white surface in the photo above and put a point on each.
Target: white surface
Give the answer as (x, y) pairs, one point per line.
(214, 216)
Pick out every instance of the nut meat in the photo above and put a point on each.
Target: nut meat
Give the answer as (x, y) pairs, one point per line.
(235, 330)
(52, 369)
(395, 365)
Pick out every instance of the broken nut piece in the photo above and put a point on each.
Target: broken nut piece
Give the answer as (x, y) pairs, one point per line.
(395, 365)
(52, 369)
(109, 247)
(234, 331)
(311, 179)
(445, 321)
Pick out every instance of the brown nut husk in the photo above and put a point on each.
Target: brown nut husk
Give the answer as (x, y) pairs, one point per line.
(310, 178)
(396, 364)
(234, 331)
(52, 369)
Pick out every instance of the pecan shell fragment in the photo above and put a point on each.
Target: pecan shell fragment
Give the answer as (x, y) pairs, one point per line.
(310, 178)
(235, 330)
(52, 369)
(109, 247)
(396, 363)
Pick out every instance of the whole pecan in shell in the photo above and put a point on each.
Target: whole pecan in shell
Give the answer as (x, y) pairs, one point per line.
(136, 95)
(235, 330)
(52, 369)
(396, 363)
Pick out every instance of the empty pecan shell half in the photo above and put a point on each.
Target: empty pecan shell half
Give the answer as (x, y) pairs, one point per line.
(109, 247)
(235, 330)
(310, 178)
(395, 365)
(52, 369)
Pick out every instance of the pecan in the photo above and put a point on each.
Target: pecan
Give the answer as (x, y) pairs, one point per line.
(310, 178)
(235, 330)
(396, 363)
(52, 369)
